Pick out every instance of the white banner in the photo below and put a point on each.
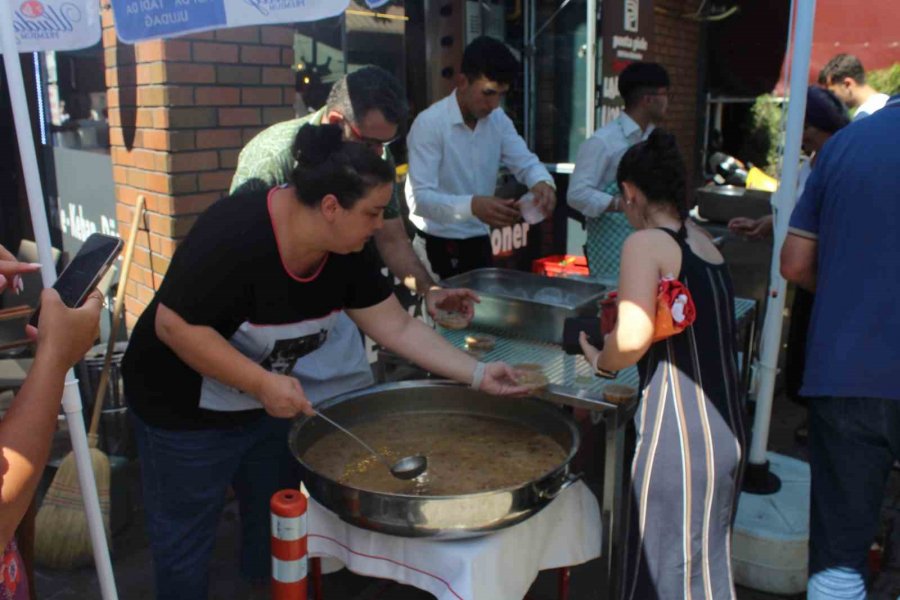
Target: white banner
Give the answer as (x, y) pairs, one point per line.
(42, 25)
(138, 20)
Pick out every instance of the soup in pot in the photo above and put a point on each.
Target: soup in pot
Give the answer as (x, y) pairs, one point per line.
(466, 454)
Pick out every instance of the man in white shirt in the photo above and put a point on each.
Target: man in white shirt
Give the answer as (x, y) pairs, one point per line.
(845, 77)
(456, 147)
(593, 191)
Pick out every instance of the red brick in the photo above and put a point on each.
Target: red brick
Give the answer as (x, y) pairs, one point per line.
(183, 162)
(277, 76)
(162, 50)
(218, 96)
(238, 34)
(190, 73)
(165, 95)
(215, 53)
(194, 204)
(287, 56)
(250, 132)
(172, 227)
(216, 180)
(106, 18)
(229, 117)
(160, 265)
(228, 159)
(109, 38)
(146, 294)
(185, 118)
(277, 115)
(277, 36)
(164, 140)
(120, 54)
(241, 75)
(151, 72)
(219, 138)
(261, 96)
(260, 55)
(164, 246)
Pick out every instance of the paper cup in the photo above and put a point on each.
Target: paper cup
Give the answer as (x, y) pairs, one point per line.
(531, 213)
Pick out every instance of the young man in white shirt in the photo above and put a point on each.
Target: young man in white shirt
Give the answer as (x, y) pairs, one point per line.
(456, 147)
(593, 192)
(845, 77)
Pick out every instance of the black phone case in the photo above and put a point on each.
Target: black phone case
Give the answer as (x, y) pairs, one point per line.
(575, 325)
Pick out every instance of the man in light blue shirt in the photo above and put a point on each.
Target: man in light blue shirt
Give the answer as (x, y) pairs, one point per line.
(844, 244)
(456, 147)
(592, 189)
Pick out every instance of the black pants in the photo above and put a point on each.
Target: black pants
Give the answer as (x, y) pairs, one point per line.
(450, 257)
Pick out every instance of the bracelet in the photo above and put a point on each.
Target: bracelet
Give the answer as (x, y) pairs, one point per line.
(601, 372)
(478, 375)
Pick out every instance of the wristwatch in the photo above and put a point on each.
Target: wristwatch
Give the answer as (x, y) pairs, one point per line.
(605, 374)
(601, 372)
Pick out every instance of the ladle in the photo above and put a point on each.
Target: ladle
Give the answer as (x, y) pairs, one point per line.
(408, 467)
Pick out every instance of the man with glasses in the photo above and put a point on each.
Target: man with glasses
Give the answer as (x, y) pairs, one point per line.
(456, 148)
(593, 190)
(370, 105)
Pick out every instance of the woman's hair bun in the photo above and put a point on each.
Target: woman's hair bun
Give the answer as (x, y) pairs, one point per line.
(315, 144)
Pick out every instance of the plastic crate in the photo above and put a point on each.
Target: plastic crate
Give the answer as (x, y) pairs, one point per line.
(560, 265)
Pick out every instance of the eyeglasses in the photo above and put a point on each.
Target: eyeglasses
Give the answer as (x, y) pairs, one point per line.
(368, 141)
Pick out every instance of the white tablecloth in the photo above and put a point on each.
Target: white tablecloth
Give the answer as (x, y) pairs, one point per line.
(496, 566)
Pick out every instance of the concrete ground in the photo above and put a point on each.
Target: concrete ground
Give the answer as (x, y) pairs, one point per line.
(133, 567)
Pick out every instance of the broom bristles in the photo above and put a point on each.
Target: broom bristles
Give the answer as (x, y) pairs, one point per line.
(62, 539)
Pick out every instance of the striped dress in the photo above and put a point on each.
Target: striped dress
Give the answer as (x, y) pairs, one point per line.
(688, 462)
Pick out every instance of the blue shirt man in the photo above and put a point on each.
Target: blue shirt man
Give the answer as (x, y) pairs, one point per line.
(850, 211)
(844, 243)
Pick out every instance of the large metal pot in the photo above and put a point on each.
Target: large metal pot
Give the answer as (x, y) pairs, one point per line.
(444, 517)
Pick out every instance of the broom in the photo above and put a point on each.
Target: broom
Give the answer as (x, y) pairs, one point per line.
(62, 539)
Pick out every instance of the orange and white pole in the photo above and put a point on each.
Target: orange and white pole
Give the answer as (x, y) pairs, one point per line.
(289, 557)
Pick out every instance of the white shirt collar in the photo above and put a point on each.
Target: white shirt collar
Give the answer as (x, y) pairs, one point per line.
(453, 111)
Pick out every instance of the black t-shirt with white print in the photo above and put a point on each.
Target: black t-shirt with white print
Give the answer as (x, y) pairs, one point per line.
(228, 274)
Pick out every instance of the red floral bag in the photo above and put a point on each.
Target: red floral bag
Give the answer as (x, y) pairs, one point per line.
(675, 310)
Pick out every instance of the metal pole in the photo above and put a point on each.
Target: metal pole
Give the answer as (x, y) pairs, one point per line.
(783, 203)
(590, 58)
(71, 398)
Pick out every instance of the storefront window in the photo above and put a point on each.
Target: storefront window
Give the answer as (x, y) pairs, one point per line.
(326, 50)
(76, 92)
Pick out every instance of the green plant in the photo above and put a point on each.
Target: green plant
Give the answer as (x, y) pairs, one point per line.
(885, 80)
(766, 116)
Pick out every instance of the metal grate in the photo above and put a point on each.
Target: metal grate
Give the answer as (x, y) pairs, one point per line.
(560, 368)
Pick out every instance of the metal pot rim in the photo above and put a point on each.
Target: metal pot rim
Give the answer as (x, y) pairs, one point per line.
(418, 384)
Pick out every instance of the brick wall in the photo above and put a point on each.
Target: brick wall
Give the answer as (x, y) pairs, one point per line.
(676, 46)
(180, 110)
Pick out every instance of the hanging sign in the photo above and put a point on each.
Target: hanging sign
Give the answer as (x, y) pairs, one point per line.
(42, 25)
(138, 20)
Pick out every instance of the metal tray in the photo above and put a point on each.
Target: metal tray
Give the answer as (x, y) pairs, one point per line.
(723, 203)
(528, 305)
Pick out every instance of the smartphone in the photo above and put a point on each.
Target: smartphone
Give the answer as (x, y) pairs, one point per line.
(93, 260)
(574, 326)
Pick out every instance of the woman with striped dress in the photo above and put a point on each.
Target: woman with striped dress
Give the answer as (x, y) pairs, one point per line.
(691, 428)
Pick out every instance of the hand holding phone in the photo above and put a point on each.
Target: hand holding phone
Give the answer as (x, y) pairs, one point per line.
(573, 326)
(93, 260)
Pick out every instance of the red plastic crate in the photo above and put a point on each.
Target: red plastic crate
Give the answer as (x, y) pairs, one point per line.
(560, 264)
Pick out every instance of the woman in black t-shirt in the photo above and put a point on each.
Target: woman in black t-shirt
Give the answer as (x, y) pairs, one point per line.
(255, 286)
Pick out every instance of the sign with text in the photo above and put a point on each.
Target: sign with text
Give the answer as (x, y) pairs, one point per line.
(138, 20)
(627, 31)
(42, 25)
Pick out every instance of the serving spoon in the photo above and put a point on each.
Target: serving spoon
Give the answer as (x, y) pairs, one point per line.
(408, 467)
